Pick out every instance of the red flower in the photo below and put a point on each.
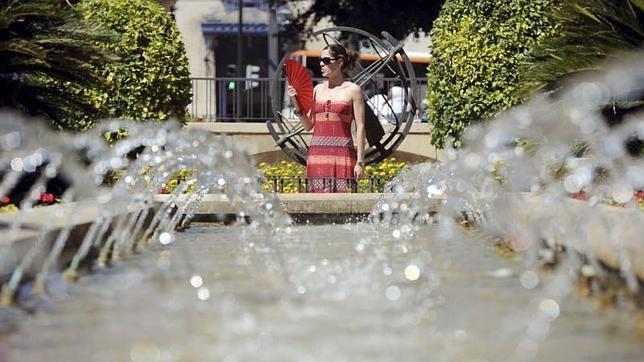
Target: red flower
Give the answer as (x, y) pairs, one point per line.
(164, 190)
(581, 195)
(5, 200)
(47, 198)
(639, 195)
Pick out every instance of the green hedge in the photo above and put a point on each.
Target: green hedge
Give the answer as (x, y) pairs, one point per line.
(150, 78)
(477, 49)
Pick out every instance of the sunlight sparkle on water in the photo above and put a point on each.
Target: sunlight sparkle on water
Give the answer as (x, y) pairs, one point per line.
(529, 279)
(16, 164)
(166, 238)
(412, 272)
(549, 308)
(196, 281)
(203, 293)
(392, 293)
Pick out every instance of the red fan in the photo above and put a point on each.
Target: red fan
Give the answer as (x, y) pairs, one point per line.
(300, 79)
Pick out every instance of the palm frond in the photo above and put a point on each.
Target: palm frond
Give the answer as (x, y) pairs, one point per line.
(45, 48)
(590, 32)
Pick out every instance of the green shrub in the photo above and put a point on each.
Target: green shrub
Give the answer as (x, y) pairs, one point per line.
(477, 49)
(150, 80)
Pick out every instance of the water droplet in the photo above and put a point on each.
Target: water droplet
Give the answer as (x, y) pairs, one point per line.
(435, 190)
(301, 289)
(396, 234)
(203, 293)
(501, 273)
(472, 161)
(392, 293)
(166, 238)
(16, 164)
(588, 271)
(387, 271)
(10, 141)
(572, 184)
(331, 279)
(412, 272)
(196, 281)
(529, 279)
(549, 308)
(116, 163)
(622, 194)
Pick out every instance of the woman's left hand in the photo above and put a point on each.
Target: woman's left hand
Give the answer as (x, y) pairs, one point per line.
(358, 171)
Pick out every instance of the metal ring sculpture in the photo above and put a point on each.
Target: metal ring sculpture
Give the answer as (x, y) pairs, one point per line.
(390, 59)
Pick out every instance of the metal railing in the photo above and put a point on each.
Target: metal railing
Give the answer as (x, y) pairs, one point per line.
(300, 184)
(231, 99)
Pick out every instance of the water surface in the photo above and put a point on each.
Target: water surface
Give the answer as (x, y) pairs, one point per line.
(320, 293)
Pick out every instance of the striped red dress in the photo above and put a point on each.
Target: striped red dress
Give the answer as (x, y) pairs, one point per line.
(331, 157)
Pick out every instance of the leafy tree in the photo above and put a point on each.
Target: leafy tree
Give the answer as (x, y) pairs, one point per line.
(151, 79)
(477, 49)
(44, 49)
(400, 18)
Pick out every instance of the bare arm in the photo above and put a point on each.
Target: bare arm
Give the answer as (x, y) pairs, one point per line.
(307, 119)
(358, 113)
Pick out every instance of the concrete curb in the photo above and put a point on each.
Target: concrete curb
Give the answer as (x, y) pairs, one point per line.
(627, 224)
(298, 203)
(44, 224)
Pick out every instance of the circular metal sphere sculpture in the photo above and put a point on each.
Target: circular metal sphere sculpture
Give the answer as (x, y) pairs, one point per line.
(390, 68)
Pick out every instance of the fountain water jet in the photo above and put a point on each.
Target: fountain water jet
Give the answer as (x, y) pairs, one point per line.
(119, 214)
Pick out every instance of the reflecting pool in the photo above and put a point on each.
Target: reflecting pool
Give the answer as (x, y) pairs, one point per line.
(321, 293)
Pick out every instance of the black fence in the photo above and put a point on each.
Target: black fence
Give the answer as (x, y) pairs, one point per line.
(300, 184)
(230, 99)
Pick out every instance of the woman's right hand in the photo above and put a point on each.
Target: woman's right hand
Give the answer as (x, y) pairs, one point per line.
(291, 92)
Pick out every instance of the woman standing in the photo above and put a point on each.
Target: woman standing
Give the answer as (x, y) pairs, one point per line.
(333, 163)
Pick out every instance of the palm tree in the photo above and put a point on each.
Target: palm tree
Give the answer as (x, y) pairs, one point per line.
(589, 33)
(47, 54)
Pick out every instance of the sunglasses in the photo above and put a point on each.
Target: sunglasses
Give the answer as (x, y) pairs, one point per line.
(327, 60)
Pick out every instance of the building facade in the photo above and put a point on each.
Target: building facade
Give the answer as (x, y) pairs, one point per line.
(210, 34)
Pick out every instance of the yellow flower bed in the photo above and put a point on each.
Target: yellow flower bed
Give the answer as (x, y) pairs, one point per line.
(285, 172)
(290, 173)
